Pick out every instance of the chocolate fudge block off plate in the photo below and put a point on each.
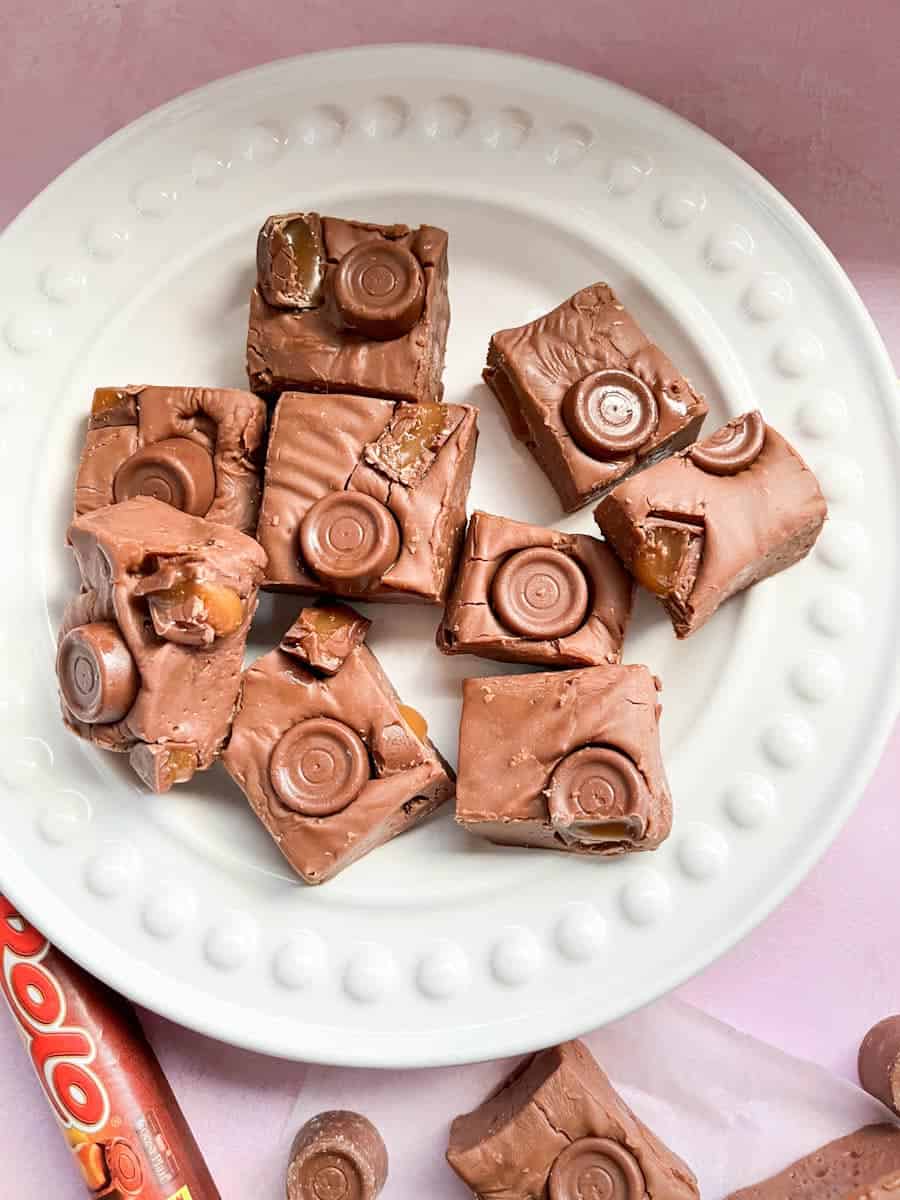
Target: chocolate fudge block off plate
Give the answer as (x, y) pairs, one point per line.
(136, 266)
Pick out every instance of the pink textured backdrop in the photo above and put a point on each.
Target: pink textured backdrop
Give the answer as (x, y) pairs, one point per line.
(806, 92)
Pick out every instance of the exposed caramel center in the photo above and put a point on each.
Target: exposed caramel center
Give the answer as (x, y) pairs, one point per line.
(415, 721)
(221, 606)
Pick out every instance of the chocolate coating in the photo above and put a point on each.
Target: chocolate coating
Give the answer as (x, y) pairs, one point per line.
(325, 635)
(610, 413)
(177, 471)
(337, 1155)
(379, 290)
(319, 767)
(732, 448)
(879, 1062)
(540, 593)
(349, 539)
(97, 674)
(598, 795)
(596, 1169)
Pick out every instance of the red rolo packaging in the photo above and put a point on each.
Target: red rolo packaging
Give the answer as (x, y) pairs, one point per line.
(128, 1137)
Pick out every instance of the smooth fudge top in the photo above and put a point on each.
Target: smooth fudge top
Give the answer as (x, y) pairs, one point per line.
(348, 306)
(366, 497)
(864, 1165)
(198, 449)
(524, 593)
(151, 650)
(556, 1127)
(590, 394)
(564, 760)
(333, 767)
(714, 519)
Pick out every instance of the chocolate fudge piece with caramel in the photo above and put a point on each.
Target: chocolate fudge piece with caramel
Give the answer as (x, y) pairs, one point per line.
(346, 306)
(198, 449)
(864, 1165)
(366, 497)
(568, 760)
(150, 652)
(528, 594)
(715, 519)
(557, 1128)
(333, 767)
(324, 635)
(590, 395)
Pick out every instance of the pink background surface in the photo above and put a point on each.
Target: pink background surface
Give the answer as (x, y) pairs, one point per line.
(807, 93)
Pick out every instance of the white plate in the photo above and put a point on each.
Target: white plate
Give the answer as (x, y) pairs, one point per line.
(136, 266)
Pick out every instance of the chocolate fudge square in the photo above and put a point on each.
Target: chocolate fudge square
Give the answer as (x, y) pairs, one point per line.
(150, 652)
(532, 595)
(590, 395)
(332, 767)
(715, 519)
(864, 1165)
(567, 760)
(345, 306)
(557, 1128)
(198, 449)
(366, 497)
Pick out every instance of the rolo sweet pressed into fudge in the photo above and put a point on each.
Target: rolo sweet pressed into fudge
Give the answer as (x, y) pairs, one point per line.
(150, 651)
(198, 449)
(528, 594)
(366, 497)
(567, 760)
(715, 519)
(590, 395)
(345, 306)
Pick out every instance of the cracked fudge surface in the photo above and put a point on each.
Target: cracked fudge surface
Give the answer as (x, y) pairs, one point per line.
(556, 1127)
(151, 650)
(366, 497)
(524, 593)
(715, 519)
(567, 760)
(333, 767)
(864, 1165)
(349, 307)
(590, 395)
(198, 449)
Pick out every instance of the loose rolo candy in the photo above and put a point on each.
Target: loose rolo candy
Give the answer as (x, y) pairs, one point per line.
(337, 1156)
(540, 593)
(97, 675)
(732, 448)
(379, 289)
(597, 795)
(319, 767)
(178, 471)
(610, 413)
(596, 1169)
(349, 539)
